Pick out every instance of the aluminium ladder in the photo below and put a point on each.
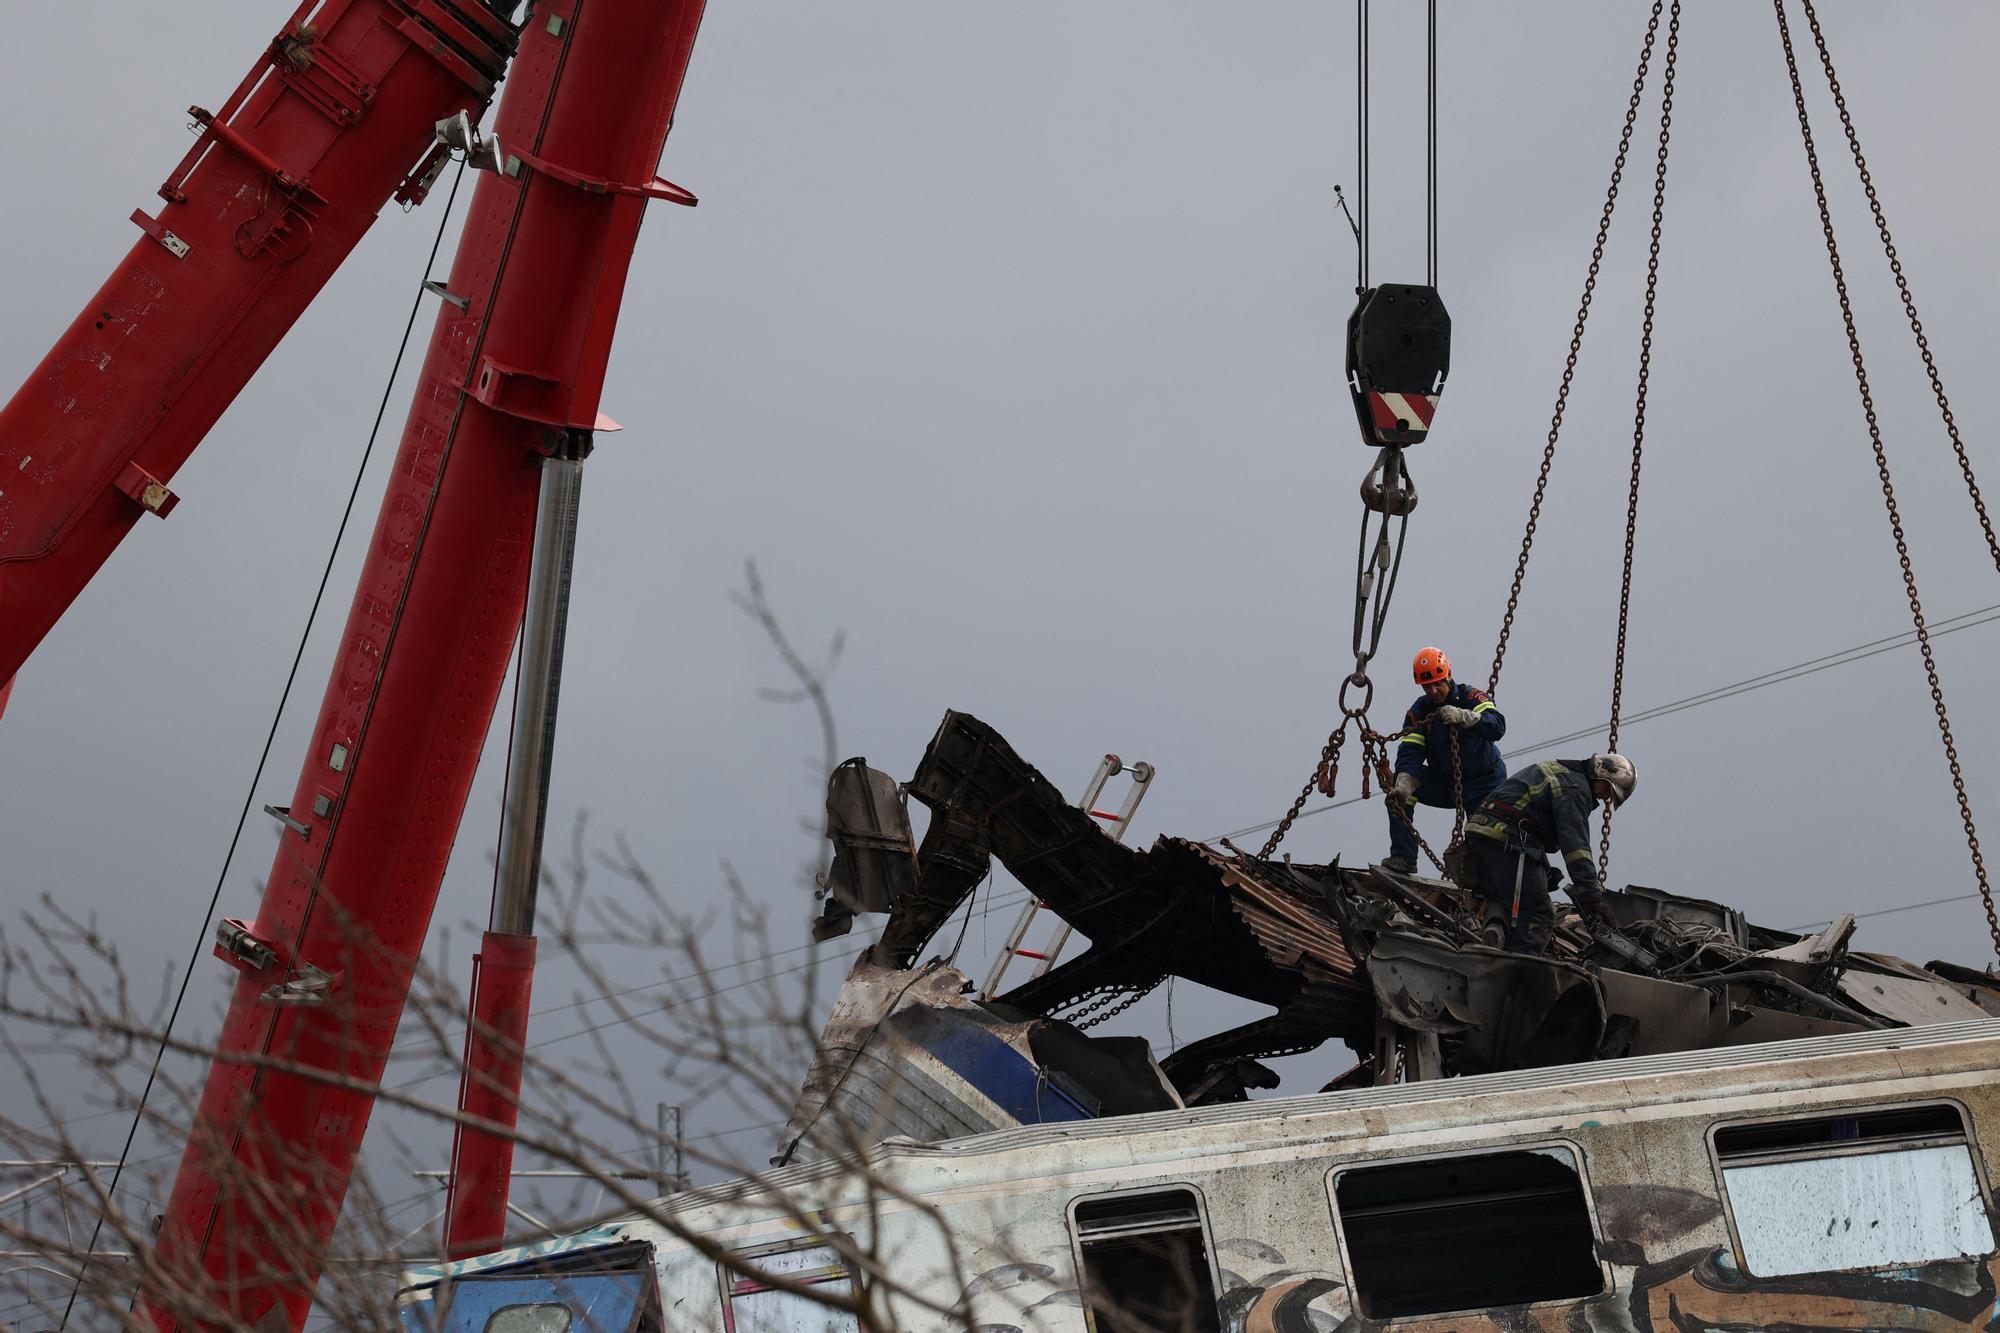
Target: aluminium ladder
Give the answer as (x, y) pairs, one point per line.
(1115, 825)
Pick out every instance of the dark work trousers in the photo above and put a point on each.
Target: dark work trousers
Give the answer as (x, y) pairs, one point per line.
(1434, 788)
(1496, 872)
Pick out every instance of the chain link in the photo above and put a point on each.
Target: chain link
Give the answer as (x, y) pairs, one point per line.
(1400, 808)
(1639, 410)
(1882, 467)
(1104, 996)
(1575, 345)
(1374, 753)
(1323, 776)
(1457, 795)
(1903, 287)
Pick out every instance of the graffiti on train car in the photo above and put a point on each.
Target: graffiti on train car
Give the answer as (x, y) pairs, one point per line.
(1700, 1290)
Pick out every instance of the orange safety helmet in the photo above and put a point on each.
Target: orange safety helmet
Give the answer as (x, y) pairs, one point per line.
(1431, 666)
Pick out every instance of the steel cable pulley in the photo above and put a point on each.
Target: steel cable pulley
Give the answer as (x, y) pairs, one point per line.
(1862, 386)
(1398, 354)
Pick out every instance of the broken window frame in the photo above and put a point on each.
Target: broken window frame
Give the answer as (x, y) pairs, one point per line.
(1202, 1228)
(1719, 1161)
(733, 1283)
(1577, 1160)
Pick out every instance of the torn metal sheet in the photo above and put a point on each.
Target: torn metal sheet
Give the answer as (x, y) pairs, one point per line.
(1507, 1010)
(1912, 1000)
(874, 852)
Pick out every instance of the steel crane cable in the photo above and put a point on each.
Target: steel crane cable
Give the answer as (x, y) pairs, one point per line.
(1431, 145)
(1361, 142)
(1378, 560)
(1639, 412)
(1882, 460)
(271, 735)
(1576, 343)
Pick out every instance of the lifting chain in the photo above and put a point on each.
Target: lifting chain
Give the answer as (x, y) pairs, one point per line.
(1903, 287)
(1390, 491)
(1098, 997)
(1375, 749)
(1457, 795)
(1639, 412)
(1375, 757)
(1881, 456)
(1322, 778)
(1575, 344)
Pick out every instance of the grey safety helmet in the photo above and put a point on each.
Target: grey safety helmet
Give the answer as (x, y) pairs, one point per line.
(1616, 772)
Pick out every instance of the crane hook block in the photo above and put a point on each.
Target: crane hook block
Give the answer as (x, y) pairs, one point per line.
(1398, 353)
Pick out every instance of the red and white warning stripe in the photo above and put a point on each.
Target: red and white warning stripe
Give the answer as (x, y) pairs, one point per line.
(1403, 411)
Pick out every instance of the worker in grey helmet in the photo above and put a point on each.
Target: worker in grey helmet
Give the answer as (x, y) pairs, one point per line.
(1543, 808)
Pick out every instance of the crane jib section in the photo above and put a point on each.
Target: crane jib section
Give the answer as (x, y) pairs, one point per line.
(514, 371)
(334, 120)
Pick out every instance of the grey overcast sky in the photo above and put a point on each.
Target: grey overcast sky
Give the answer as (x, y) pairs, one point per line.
(1008, 340)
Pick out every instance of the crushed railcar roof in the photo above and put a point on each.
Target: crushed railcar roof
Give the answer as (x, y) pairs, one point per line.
(1389, 965)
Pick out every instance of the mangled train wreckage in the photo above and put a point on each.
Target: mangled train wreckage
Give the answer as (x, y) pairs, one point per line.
(1392, 966)
(1717, 1127)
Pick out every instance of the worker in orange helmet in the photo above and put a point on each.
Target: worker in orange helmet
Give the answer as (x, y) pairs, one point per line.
(1447, 714)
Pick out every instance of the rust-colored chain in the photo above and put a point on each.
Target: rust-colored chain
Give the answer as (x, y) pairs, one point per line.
(1903, 287)
(1457, 795)
(1400, 807)
(1375, 753)
(1639, 410)
(1134, 994)
(1888, 486)
(1322, 778)
(1575, 344)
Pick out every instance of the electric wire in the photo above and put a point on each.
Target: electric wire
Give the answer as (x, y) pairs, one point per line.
(271, 735)
(1796, 671)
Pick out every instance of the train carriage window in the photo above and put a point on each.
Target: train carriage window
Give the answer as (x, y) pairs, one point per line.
(1465, 1233)
(1145, 1264)
(752, 1305)
(1871, 1189)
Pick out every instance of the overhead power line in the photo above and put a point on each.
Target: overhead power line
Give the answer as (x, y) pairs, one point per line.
(1797, 670)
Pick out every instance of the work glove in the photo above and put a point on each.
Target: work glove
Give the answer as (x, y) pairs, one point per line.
(1406, 785)
(1458, 717)
(1600, 911)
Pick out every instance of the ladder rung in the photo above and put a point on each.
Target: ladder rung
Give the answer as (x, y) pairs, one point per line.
(1029, 953)
(1105, 814)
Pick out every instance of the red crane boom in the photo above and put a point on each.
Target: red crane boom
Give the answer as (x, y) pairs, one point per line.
(337, 117)
(513, 376)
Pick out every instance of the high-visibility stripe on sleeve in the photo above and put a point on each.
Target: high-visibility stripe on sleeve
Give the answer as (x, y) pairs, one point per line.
(1414, 738)
(1482, 708)
(1578, 855)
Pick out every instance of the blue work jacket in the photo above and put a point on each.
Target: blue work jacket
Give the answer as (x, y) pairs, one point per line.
(1426, 738)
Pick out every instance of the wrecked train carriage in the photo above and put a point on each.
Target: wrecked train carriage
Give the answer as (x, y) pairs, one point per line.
(1828, 1183)
(1390, 965)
